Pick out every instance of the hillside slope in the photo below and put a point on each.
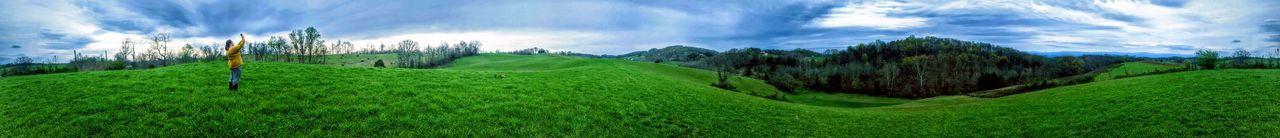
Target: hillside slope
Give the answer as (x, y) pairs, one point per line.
(566, 96)
(1137, 67)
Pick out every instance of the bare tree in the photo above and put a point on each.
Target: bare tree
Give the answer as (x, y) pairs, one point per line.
(126, 50)
(307, 44)
(159, 51)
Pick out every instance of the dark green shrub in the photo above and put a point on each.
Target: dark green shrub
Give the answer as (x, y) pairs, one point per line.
(1207, 59)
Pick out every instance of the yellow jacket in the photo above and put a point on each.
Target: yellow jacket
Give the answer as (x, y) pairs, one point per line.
(233, 54)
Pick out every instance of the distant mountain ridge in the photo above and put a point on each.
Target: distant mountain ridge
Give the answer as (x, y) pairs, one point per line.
(1136, 54)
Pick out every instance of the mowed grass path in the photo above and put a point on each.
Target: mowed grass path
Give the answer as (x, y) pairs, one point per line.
(565, 96)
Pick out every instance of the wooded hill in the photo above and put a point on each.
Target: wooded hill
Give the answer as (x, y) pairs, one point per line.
(914, 67)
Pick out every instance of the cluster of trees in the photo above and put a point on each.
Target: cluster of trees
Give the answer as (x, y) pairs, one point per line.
(156, 53)
(571, 53)
(914, 67)
(526, 51)
(133, 54)
(300, 46)
(83, 62)
(25, 65)
(1242, 59)
(410, 55)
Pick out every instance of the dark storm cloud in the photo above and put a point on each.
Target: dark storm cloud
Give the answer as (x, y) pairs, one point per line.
(215, 19)
(167, 12)
(1272, 28)
(768, 27)
(63, 41)
(125, 26)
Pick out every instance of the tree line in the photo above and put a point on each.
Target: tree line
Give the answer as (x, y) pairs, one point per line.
(150, 52)
(299, 46)
(410, 55)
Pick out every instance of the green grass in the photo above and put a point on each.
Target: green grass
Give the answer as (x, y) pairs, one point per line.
(541, 63)
(842, 99)
(1138, 67)
(555, 96)
(361, 60)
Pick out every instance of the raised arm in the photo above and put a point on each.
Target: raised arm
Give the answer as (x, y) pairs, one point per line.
(238, 46)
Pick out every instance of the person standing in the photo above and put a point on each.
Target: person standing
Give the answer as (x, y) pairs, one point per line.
(235, 62)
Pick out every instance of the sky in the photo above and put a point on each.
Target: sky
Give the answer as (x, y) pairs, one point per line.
(47, 28)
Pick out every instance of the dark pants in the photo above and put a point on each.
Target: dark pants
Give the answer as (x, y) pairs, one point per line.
(235, 78)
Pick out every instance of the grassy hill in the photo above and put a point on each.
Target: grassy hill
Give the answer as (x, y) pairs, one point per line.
(568, 96)
(1138, 67)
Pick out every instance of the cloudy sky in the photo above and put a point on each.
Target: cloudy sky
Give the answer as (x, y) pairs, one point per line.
(44, 28)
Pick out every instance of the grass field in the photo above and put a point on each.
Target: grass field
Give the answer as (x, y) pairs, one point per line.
(361, 60)
(1137, 67)
(568, 97)
(842, 100)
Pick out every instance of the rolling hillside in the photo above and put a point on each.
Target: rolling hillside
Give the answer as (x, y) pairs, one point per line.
(510, 95)
(1138, 67)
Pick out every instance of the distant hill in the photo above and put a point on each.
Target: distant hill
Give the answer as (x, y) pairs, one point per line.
(670, 53)
(1136, 54)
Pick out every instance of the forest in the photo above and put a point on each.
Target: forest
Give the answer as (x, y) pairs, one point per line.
(913, 67)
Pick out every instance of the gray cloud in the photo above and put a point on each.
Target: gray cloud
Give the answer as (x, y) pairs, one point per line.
(64, 41)
(1181, 47)
(1272, 28)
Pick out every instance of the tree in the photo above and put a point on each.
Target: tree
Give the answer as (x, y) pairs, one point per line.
(1069, 65)
(1241, 56)
(306, 44)
(724, 66)
(278, 46)
(126, 49)
(1206, 59)
(24, 60)
(784, 81)
(158, 52)
(408, 54)
(1275, 56)
(186, 53)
